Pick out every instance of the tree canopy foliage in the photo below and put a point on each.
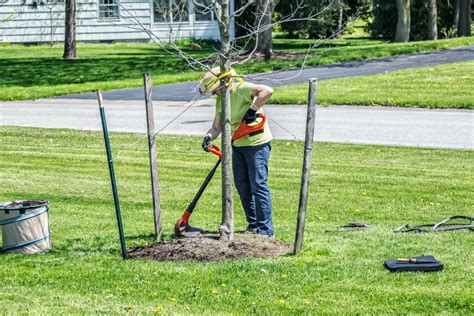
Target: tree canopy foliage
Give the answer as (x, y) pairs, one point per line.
(381, 17)
(327, 21)
(383, 20)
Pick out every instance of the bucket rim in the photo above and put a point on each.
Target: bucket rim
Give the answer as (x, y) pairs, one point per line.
(20, 205)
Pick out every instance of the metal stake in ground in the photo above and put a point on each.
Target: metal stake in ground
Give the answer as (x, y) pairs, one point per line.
(306, 172)
(112, 175)
(155, 184)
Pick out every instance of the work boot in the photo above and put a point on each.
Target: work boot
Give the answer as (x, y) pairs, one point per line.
(191, 232)
(250, 230)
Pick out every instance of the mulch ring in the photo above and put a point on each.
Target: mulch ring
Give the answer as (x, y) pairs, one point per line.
(208, 247)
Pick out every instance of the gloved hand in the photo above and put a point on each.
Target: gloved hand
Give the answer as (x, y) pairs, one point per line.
(206, 143)
(250, 116)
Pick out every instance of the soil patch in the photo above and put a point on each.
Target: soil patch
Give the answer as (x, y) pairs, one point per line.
(208, 247)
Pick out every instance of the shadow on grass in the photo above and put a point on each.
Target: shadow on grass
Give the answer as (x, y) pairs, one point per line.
(42, 71)
(303, 46)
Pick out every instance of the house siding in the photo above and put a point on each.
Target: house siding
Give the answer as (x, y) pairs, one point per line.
(23, 24)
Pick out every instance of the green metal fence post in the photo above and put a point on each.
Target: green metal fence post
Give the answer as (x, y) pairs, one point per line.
(112, 176)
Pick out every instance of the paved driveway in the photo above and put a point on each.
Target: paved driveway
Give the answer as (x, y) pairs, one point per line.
(346, 124)
(184, 91)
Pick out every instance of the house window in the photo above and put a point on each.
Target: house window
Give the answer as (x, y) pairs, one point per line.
(203, 10)
(161, 10)
(109, 9)
(179, 8)
(171, 11)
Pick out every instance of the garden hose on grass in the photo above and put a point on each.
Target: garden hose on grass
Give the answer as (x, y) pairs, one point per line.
(447, 224)
(442, 226)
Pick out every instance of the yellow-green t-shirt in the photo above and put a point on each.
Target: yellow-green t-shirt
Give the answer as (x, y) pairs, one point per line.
(241, 99)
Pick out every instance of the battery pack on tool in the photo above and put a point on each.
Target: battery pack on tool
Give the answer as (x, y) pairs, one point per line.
(413, 264)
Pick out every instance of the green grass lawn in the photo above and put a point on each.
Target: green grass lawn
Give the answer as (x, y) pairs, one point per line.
(337, 272)
(38, 71)
(444, 86)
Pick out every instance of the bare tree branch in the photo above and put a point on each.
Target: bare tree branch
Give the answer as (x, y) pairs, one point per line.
(240, 11)
(231, 52)
(308, 53)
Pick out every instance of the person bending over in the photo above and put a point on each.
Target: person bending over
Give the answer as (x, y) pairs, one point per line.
(250, 154)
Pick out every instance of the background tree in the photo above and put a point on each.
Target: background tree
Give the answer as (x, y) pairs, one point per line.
(402, 33)
(243, 19)
(70, 30)
(264, 39)
(465, 18)
(321, 27)
(251, 9)
(383, 21)
(383, 18)
(340, 18)
(457, 5)
(332, 18)
(432, 20)
(420, 12)
(446, 11)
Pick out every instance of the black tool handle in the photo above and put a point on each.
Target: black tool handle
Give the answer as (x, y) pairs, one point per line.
(203, 187)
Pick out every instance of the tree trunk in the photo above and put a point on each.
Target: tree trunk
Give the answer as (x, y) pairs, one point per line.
(70, 30)
(432, 20)
(226, 230)
(340, 17)
(465, 20)
(263, 22)
(51, 29)
(403, 24)
(457, 3)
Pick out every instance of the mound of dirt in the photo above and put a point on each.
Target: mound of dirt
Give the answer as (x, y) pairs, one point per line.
(208, 247)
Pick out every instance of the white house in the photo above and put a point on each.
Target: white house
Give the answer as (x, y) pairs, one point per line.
(42, 21)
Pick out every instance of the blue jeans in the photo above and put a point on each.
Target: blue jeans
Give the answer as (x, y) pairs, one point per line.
(250, 166)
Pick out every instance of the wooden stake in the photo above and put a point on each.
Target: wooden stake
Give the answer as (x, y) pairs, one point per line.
(306, 172)
(155, 184)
